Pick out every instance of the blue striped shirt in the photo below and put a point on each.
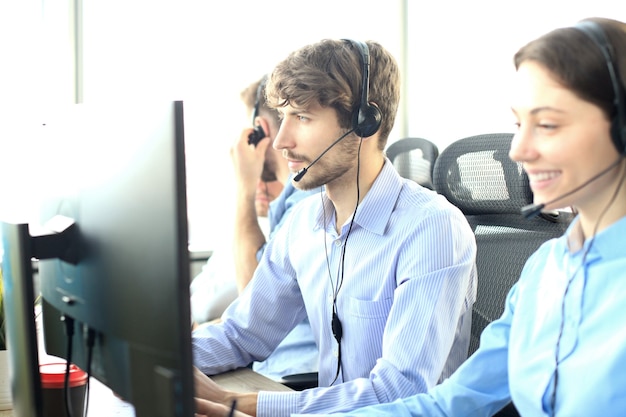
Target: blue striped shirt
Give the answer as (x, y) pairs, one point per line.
(405, 300)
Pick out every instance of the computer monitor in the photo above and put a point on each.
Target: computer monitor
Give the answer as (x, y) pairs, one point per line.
(115, 179)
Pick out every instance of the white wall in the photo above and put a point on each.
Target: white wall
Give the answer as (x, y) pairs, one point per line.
(461, 59)
(205, 53)
(459, 62)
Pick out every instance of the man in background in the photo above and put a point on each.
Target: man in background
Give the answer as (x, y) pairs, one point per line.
(261, 198)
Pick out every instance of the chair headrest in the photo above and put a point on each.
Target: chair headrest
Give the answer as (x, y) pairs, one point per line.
(414, 158)
(477, 175)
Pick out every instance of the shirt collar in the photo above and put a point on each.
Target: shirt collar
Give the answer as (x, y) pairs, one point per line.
(375, 210)
(606, 244)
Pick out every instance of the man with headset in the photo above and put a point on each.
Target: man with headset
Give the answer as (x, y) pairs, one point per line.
(384, 268)
(260, 174)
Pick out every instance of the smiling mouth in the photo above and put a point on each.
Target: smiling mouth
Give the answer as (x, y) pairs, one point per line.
(542, 181)
(543, 176)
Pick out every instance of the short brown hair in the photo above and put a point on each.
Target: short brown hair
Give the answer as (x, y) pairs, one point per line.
(256, 92)
(329, 73)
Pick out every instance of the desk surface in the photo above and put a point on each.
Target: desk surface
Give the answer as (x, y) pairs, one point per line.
(246, 380)
(103, 403)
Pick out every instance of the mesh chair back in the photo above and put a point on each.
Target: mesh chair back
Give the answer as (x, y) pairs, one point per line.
(414, 158)
(477, 176)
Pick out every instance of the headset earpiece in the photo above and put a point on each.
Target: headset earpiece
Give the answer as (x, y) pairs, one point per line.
(256, 136)
(366, 117)
(618, 133)
(258, 133)
(367, 120)
(618, 123)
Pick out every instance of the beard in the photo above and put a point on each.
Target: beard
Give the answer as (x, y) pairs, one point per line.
(269, 171)
(331, 166)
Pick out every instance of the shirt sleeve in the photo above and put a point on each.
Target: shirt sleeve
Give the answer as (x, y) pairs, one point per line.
(250, 329)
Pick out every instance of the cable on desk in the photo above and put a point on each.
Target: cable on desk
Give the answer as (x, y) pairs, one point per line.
(69, 330)
(91, 338)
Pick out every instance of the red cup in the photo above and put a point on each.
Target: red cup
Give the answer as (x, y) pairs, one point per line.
(53, 384)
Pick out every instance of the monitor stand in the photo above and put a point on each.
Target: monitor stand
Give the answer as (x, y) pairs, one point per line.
(20, 248)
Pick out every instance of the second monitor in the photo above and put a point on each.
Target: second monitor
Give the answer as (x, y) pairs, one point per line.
(118, 173)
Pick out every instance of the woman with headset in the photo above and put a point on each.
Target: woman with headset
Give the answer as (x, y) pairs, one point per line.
(559, 349)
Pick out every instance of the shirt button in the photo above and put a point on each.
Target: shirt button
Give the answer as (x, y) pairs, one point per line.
(338, 242)
(335, 353)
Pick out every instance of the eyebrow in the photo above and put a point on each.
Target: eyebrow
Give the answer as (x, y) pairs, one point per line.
(545, 108)
(537, 110)
(295, 111)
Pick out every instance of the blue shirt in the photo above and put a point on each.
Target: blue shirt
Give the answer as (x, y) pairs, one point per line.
(405, 301)
(516, 358)
(283, 205)
(215, 288)
(297, 353)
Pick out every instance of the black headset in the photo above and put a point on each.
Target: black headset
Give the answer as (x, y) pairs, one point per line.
(258, 133)
(367, 117)
(618, 123)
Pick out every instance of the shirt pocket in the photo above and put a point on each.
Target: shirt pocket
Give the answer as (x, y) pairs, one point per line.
(368, 309)
(363, 325)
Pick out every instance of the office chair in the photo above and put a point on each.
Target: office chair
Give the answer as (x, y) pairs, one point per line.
(414, 158)
(477, 175)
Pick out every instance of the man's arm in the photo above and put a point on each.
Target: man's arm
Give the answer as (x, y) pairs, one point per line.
(248, 236)
(226, 346)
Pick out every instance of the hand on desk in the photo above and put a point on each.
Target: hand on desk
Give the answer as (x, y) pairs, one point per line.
(206, 408)
(212, 400)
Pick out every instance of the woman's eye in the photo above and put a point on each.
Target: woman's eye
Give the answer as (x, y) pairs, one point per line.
(547, 126)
